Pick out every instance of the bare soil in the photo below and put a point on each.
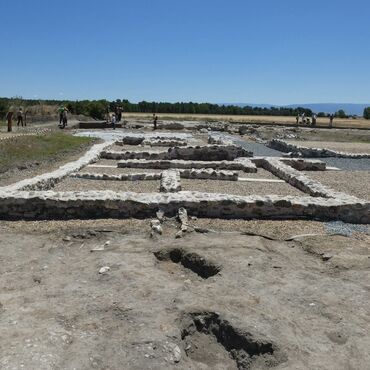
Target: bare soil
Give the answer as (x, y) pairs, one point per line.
(272, 304)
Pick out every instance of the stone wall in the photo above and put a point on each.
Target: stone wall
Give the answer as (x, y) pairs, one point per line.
(302, 182)
(298, 150)
(107, 204)
(121, 177)
(242, 164)
(190, 153)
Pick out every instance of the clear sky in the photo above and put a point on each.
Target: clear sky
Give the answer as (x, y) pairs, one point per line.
(260, 51)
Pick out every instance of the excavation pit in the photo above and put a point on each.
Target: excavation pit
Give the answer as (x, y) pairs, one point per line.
(192, 261)
(207, 331)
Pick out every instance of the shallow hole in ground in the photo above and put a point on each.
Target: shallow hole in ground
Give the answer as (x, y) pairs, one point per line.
(211, 340)
(192, 261)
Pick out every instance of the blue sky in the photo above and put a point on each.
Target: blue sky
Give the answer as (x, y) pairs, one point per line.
(265, 51)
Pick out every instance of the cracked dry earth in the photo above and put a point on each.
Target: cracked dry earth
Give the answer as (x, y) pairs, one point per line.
(219, 300)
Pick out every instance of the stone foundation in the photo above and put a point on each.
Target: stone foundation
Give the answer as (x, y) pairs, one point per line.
(298, 150)
(243, 165)
(191, 153)
(107, 204)
(302, 182)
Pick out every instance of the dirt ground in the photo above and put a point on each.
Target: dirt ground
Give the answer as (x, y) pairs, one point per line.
(260, 304)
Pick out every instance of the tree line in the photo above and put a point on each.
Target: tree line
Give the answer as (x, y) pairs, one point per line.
(98, 108)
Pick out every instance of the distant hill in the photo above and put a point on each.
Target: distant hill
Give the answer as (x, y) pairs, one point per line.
(349, 108)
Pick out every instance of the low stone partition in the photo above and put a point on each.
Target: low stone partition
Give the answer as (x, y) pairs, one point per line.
(97, 125)
(22, 205)
(305, 164)
(303, 151)
(151, 141)
(191, 153)
(121, 177)
(131, 140)
(165, 143)
(242, 164)
(209, 153)
(209, 174)
(300, 164)
(170, 181)
(48, 180)
(302, 182)
(111, 154)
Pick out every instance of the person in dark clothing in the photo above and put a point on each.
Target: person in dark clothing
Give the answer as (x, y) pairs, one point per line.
(331, 119)
(155, 121)
(314, 119)
(119, 114)
(20, 117)
(9, 118)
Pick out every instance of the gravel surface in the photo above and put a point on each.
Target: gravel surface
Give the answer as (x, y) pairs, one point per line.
(339, 227)
(239, 188)
(348, 164)
(349, 147)
(352, 183)
(258, 150)
(71, 184)
(137, 148)
(117, 171)
(260, 174)
(273, 229)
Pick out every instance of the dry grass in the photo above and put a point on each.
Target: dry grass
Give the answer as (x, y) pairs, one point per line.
(338, 122)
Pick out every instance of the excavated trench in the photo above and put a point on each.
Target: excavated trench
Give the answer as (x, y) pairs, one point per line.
(192, 261)
(212, 340)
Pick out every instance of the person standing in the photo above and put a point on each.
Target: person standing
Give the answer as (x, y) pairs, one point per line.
(297, 119)
(65, 118)
(119, 114)
(114, 121)
(20, 117)
(155, 121)
(60, 111)
(9, 118)
(314, 119)
(331, 119)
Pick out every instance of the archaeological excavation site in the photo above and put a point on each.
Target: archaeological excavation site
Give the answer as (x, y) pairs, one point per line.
(199, 245)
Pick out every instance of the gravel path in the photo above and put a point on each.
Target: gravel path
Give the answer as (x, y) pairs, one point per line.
(347, 164)
(349, 182)
(239, 188)
(349, 147)
(72, 184)
(342, 163)
(258, 150)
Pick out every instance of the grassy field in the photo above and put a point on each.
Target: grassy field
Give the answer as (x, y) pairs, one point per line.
(347, 122)
(25, 150)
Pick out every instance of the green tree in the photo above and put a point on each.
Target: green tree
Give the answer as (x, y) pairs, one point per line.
(367, 113)
(341, 114)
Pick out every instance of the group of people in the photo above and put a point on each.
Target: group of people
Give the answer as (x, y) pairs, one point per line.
(302, 119)
(116, 116)
(21, 118)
